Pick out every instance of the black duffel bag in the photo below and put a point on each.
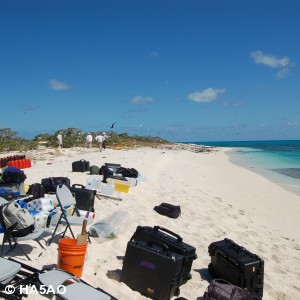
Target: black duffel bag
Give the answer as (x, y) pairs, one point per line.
(127, 172)
(51, 183)
(13, 175)
(168, 210)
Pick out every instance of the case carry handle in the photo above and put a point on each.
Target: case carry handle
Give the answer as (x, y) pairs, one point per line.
(163, 246)
(179, 238)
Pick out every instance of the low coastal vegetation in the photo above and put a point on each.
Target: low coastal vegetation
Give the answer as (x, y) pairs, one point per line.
(72, 137)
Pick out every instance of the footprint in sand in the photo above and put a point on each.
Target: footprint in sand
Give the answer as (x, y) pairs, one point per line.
(276, 258)
(296, 247)
(244, 226)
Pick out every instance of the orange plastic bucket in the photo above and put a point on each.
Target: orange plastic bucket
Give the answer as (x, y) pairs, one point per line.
(71, 257)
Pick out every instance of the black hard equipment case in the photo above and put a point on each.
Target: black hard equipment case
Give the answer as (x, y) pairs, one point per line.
(175, 244)
(80, 166)
(237, 265)
(85, 198)
(152, 269)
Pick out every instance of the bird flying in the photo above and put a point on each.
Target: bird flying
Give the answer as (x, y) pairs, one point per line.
(112, 125)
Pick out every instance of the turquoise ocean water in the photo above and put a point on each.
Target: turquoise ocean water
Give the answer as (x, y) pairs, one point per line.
(278, 161)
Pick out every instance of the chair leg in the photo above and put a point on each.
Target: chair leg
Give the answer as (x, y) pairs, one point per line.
(64, 232)
(68, 226)
(6, 238)
(20, 248)
(53, 234)
(2, 246)
(40, 244)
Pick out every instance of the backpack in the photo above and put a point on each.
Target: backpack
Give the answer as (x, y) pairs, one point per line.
(94, 170)
(8, 195)
(220, 289)
(51, 183)
(14, 215)
(13, 175)
(37, 190)
(169, 210)
(127, 172)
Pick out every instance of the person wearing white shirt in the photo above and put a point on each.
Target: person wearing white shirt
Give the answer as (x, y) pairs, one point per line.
(59, 139)
(105, 137)
(99, 138)
(89, 140)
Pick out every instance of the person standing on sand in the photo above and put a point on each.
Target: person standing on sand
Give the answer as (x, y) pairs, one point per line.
(104, 139)
(59, 139)
(99, 138)
(89, 141)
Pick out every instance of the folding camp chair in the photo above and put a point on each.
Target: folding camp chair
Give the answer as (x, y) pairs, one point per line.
(12, 275)
(74, 289)
(66, 200)
(63, 284)
(13, 236)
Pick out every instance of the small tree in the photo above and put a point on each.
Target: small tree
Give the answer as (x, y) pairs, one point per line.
(7, 133)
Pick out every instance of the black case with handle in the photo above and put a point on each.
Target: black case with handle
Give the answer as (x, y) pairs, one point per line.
(175, 244)
(85, 198)
(152, 269)
(232, 262)
(81, 166)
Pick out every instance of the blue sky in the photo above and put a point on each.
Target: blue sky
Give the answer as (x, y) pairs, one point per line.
(206, 70)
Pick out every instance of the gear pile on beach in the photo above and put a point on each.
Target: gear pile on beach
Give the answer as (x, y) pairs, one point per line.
(119, 234)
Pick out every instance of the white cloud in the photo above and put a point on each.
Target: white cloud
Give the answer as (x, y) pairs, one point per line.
(57, 85)
(141, 100)
(207, 95)
(270, 60)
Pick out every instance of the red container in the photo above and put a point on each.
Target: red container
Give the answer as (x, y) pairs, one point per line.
(27, 163)
(17, 164)
(22, 163)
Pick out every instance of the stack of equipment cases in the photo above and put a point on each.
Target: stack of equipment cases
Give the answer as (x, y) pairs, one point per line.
(85, 198)
(237, 265)
(152, 269)
(81, 166)
(175, 244)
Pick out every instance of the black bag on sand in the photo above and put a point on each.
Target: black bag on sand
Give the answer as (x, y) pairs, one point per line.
(51, 183)
(37, 190)
(168, 210)
(127, 172)
(220, 289)
(13, 175)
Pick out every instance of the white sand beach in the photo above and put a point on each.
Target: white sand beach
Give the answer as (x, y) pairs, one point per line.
(218, 200)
